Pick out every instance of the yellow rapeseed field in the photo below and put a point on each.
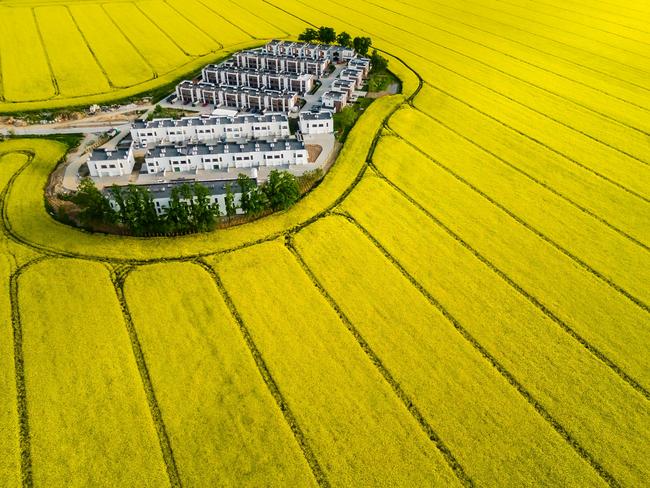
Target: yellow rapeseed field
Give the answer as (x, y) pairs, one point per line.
(464, 300)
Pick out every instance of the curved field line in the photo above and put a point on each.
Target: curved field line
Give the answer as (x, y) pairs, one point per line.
(539, 182)
(582, 24)
(624, 6)
(221, 46)
(499, 70)
(231, 23)
(11, 234)
(101, 67)
(575, 34)
(19, 368)
(583, 14)
(270, 383)
(135, 48)
(433, 62)
(538, 233)
(498, 51)
(509, 377)
(512, 26)
(403, 397)
(527, 46)
(55, 84)
(117, 279)
(537, 303)
(543, 144)
(160, 29)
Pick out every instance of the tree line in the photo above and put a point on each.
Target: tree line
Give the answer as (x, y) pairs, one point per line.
(190, 208)
(327, 35)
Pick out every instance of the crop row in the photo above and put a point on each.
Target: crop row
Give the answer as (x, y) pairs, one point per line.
(548, 47)
(29, 223)
(214, 403)
(88, 417)
(358, 428)
(453, 71)
(616, 260)
(602, 417)
(571, 293)
(439, 370)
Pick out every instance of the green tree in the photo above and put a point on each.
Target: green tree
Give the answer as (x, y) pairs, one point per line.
(281, 189)
(246, 186)
(362, 45)
(204, 213)
(344, 39)
(231, 209)
(177, 215)
(326, 35)
(379, 63)
(308, 35)
(95, 207)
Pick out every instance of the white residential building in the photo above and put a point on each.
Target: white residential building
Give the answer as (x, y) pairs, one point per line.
(316, 123)
(111, 162)
(261, 60)
(334, 100)
(235, 77)
(203, 129)
(313, 51)
(241, 98)
(161, 193)
(222, 156)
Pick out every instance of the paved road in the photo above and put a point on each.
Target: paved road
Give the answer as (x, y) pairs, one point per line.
(43, 130)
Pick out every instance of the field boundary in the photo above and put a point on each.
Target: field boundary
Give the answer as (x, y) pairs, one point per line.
(519, 289)
(399, 392)
(268, 379)
(509, 377)
(433, 62)
(118, 276)
(535, 180)
(584, 265)
(19, 372)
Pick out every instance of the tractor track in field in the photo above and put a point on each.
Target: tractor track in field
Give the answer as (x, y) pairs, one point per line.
(128, 39)
(474, 81)
(544, 145)
(397, 389)
(162, 31)
(90, 49)
(516, 27)
(487, 65)
(532, 299)
(509, 377)
(287, 34)
(226, 20)
(24, 436)
(535, 180)
(507, 39)
(267, 377)
(601, 19)
(55, 84)
(573, 33)
(498, 51)
(209, 36)
(576, 259)
(118, 276)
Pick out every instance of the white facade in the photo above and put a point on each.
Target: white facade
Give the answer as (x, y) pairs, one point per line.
(111, 162)
(161, 194)
(202, 129)
(222, 156)
(320, 123)
(235, 77)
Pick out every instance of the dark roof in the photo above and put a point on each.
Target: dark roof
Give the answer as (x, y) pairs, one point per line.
(324, 115)
(164, 190)
(225, 147)
(212, 120)
(109, 155)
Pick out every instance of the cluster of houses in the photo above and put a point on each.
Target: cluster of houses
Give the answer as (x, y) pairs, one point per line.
(349, 80)
(267, 83)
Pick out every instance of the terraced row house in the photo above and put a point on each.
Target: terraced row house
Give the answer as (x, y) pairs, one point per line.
(209, 128)
(261, 60)
(240, 98)
(223, 156)
(161, 194)
(306, 50)
(350, 79)
(233, 76)
(107, 162)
